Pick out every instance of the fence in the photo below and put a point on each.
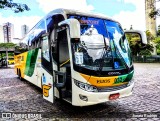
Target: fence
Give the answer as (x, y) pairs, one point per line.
(146, 59)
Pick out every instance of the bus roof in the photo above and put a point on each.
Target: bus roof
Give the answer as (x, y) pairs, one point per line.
(77, 12)
(64, 12)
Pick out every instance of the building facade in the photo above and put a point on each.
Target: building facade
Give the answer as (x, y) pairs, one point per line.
(150, 22)
(24, 30)
(8, 32)
(1, 34)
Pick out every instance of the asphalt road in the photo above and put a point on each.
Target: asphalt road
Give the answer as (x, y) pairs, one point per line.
(20, 100)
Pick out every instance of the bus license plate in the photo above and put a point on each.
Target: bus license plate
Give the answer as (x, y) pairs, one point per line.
(114, 96)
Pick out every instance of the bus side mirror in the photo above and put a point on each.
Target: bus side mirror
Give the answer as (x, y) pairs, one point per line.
(141, 34)
(74, 27)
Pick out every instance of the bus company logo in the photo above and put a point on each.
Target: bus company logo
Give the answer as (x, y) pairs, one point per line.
(6, 115)
(46, 90)
(103, 81)
(114, 73)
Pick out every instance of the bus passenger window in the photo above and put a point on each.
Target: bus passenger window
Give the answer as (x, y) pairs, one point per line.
(45, 49)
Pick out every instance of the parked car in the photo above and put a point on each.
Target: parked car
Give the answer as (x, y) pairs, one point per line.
(10, 60)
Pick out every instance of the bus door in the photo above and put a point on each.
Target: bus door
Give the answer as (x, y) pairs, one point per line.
(62, 73)
(47, 70)
(68, 29)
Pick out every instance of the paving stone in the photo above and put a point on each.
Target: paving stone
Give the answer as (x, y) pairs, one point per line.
(22, 97)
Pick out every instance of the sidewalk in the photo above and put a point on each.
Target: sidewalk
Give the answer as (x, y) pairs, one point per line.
(9, 66)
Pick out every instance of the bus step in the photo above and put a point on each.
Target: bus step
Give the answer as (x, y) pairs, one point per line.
(66, 94)
(68, 99)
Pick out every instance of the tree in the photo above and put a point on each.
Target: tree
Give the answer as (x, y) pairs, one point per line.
(157, 42)
(154, 12)
(16, 7)
(158, 32)
(137, 47)
(150, 37)
(6, 46)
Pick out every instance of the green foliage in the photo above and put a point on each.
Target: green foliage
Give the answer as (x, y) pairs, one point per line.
(145, 52)
(4, 55)
(149, 35)
(137, 47)
(7, 45)
(16, 7)
(157, 42)
(154, 12)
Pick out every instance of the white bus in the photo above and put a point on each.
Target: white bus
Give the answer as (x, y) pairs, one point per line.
(82, 58)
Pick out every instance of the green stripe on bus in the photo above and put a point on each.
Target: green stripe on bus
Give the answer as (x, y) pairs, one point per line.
(124, 78)
(31, 61)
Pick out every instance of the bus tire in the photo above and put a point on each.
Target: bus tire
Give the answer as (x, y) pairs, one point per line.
(19, 75)
(17, 72)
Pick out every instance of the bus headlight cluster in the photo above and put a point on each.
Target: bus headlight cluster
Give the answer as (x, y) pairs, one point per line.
(85, 86)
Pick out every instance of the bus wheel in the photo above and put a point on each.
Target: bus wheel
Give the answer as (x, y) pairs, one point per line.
(19, 75)
(17, 72)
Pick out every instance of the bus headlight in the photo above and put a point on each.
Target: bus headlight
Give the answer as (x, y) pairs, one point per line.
(85, 86)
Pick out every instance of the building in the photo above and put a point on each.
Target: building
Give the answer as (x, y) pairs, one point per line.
(24, 30)
(150, 22)
(1, 34)
(8, 31)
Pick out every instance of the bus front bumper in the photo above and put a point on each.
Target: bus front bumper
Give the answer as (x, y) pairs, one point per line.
(84, 98)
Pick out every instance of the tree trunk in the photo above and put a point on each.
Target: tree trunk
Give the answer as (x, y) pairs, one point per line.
(6, 57)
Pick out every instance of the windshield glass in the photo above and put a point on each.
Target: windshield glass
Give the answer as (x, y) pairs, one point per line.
(102, 46)
(119, 43)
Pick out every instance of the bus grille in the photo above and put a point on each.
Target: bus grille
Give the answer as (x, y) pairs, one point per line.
(109, 89)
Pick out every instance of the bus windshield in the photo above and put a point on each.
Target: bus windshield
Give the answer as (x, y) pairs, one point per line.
(102, 46)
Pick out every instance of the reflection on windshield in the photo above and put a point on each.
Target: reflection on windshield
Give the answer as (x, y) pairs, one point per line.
(102, 45)
(93, 43)
(119, 40)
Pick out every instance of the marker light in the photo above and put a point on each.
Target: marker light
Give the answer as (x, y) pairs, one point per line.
(82, 97)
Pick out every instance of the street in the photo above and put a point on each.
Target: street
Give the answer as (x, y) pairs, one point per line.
(20, 96)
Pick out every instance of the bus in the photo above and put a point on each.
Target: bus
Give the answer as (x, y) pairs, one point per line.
(80, 57)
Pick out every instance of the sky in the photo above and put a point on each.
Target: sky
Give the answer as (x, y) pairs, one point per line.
(127, 12)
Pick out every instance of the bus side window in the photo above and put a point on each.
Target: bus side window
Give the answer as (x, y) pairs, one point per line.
(36, 34)
(54, 45)
(45, 49)
(51, 29)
